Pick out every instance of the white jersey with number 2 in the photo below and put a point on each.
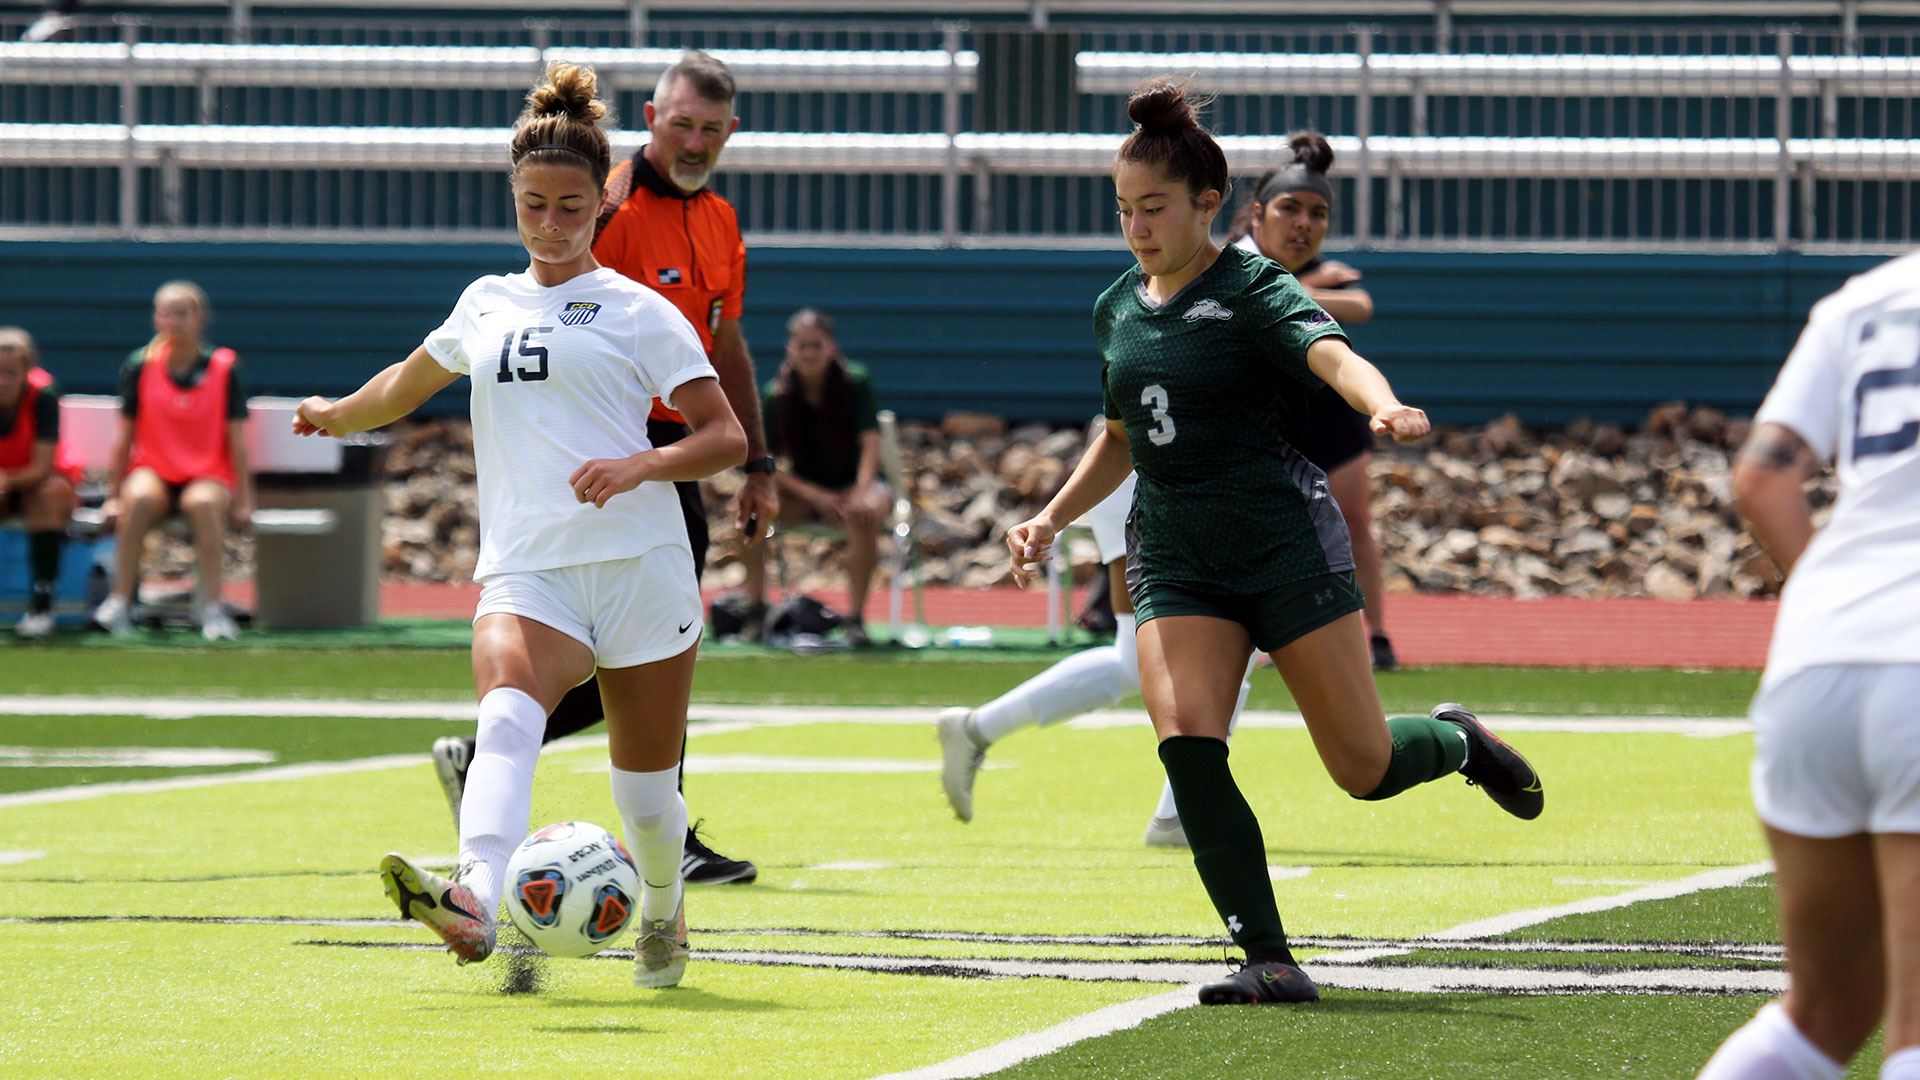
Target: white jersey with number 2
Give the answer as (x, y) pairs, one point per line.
(1851, 389)
(560, 376)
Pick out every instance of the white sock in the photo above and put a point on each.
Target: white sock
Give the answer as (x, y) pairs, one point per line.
(1770, 1047)
(1086, 680)
(1904, 1065)
(654, 817)
(499, 795)
(1166, 809)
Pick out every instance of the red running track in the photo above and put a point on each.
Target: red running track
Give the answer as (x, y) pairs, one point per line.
(1426, 628)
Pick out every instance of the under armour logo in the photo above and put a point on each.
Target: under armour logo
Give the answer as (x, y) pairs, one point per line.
(1323, 597)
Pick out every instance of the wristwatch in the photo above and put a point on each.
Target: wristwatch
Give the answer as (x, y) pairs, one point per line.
(759, 464)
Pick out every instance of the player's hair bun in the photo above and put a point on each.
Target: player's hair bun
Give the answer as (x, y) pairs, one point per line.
(1160, 104)
(571, 91)
(1311, 149)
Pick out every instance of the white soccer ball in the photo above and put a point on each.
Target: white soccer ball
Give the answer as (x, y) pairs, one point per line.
(571, 888)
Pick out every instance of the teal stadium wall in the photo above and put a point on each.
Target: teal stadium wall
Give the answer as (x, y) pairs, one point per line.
(1550, 337)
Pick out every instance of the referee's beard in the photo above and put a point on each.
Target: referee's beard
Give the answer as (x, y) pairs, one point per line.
(687, 179)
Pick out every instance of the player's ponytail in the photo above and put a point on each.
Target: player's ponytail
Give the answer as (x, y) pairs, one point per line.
(1312, 157)
(562, 122)
(1167, 132)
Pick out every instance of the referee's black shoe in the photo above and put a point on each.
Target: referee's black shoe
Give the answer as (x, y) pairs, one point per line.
(1493, 766)
(1273, 982)
(701, 865)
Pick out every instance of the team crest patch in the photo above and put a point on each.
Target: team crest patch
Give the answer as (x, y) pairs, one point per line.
(668, 276)
(1207, 309)
(579, 313)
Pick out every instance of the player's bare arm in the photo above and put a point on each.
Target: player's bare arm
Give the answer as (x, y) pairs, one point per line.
(1364, 388)
(1105, 464)
(717, 443)
(1769, 485)
(388, 396)
(758, 503)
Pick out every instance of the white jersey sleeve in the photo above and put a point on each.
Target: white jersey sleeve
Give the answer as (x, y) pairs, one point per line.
(1806, 395)
(1851, 389)
(445, 344)
(666, 350)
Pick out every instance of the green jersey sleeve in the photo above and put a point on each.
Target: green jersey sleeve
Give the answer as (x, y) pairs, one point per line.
(1287, 321)
(866, 407)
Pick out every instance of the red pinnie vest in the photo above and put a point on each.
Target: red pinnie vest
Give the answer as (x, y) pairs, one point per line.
(16, 446)
(181, 432)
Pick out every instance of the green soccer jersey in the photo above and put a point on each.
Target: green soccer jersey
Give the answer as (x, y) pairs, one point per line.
(1205, 385)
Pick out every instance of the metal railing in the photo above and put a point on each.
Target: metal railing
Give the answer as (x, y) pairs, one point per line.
(1433, 149)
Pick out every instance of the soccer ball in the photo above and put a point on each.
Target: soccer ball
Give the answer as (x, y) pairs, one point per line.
(571, 888)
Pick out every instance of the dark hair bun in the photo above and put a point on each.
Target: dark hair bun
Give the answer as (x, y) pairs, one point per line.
(1310, 148)
(570, 91)
(1161, 104)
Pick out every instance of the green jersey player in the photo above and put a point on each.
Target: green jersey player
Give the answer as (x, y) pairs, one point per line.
(1235, 543)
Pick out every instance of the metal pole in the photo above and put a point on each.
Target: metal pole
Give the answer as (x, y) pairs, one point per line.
(1362, 129)
(1850, 27)
(637, 24)
(129, 118)
(1783, 132)
(950, 114)
(1037, 14)
(242, 22)
(1443, 26)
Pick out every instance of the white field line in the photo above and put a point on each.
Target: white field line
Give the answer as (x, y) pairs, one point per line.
(1339, 973)
(710, 718)
(128, 757)
(82, 792)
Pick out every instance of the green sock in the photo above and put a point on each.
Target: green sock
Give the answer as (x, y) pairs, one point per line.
(1423, 749)
(43, 563)
(1227, 847)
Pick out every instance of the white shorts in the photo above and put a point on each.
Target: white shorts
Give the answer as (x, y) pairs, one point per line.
(1837, 750)
(1108, 521)
(628, 611)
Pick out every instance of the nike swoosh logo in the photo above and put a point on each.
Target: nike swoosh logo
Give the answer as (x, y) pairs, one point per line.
(1534, 788)
(446, 901)
(685, 625)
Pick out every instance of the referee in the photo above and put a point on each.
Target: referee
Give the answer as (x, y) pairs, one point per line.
(663, 227)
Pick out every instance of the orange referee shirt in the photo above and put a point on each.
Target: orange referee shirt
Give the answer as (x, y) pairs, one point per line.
(685, 247)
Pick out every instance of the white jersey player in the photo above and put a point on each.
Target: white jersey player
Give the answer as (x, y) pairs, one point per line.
(584, 559)
(1836, 771)
(1089, 679)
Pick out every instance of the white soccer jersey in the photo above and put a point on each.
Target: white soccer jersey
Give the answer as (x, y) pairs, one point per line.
(1851, 389)
(560, 376)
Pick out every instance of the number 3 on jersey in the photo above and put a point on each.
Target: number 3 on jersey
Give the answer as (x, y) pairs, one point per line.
(527, 348)
(1156, 400)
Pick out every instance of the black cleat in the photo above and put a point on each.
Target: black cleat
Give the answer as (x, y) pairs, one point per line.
(701, 865)
(1269, 983)
(1493, 766)
(1383, 657)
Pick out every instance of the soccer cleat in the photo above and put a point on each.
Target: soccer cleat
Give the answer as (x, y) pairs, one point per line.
(216, 624)
(115, 616)
(1383, 657)
(452, 756)
(446, 906)
(660, 956)
(34, 625)
(701, 865)
(960, 759)
(1493, 766)
(1270, 983)
(1166, 832)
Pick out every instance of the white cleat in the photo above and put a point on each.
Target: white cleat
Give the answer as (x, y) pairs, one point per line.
(34, 625)
(216, 624)
(446, 906)
(960, 759)
(115, 616)
(660, 956)
(452, 755)
(1166, 832)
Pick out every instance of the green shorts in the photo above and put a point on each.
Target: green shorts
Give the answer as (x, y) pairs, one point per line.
(1272, 619)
